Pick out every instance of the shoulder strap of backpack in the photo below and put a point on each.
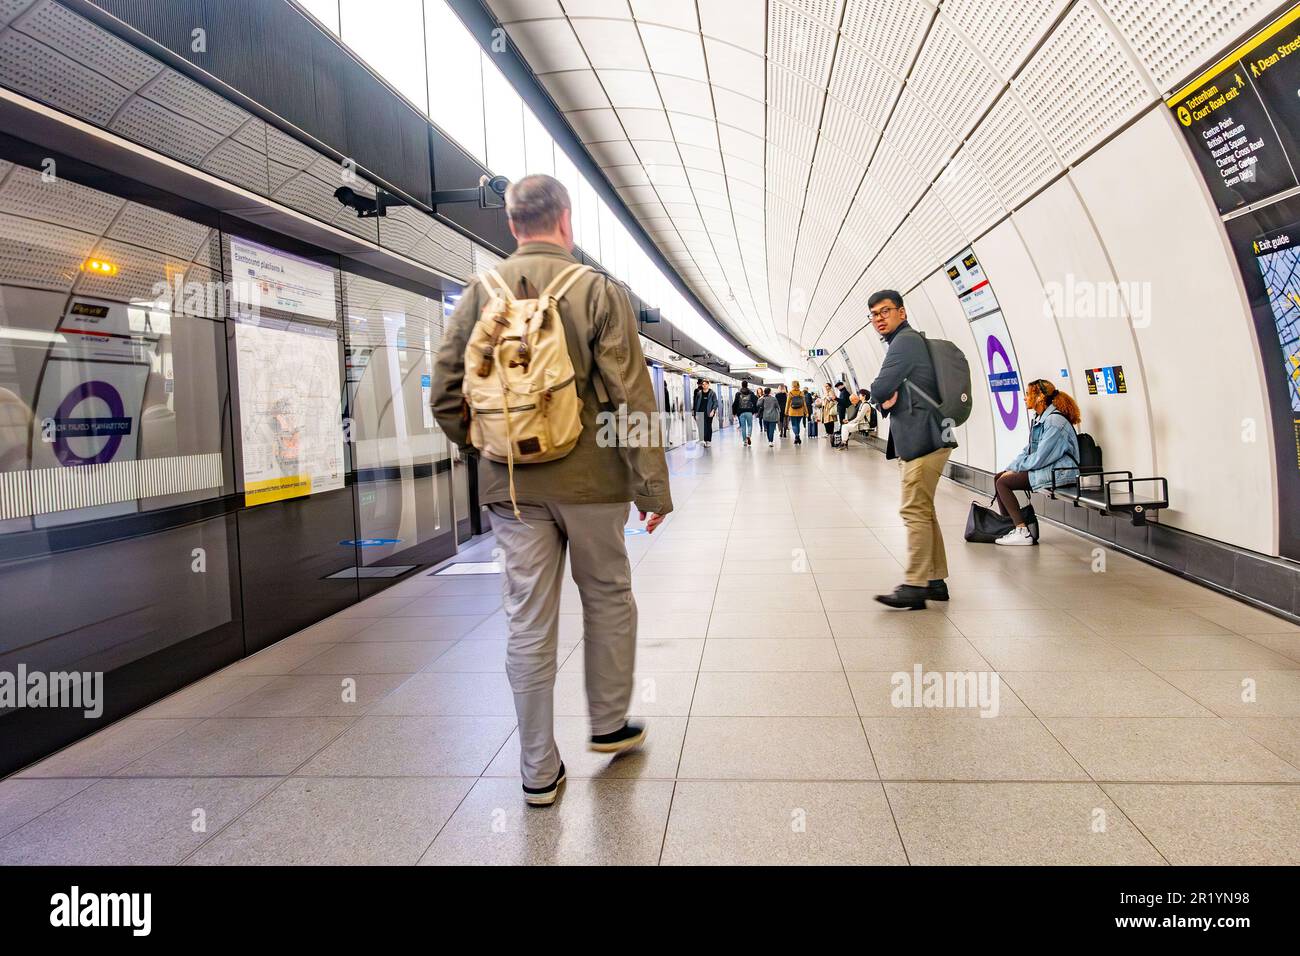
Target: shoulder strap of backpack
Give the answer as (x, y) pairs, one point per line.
(558, 287)
(503, 288)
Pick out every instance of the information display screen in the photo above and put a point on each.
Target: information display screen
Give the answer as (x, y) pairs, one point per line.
(1241, 116)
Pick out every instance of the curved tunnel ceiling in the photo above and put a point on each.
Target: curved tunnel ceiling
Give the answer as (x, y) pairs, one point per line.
(789, 157)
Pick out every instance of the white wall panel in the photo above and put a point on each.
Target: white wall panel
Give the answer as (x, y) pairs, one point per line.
(1069, 256)
(1202, 365)
(1038, 346)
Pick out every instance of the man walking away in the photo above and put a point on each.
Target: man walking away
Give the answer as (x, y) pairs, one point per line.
(706, 407)
(578, 502)
(917, 437)
(842, 402)
(782, 396)
(743, 407)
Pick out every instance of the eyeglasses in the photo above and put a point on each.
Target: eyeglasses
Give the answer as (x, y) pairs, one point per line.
(881, 313)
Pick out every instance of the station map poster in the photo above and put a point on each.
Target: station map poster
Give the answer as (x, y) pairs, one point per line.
(287, 358)
(1241, 116)
(997, 355)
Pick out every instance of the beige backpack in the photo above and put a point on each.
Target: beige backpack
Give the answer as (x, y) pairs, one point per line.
(519, 381)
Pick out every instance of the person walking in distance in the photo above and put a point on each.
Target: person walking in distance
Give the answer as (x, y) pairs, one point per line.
(706, 408)
(796, 404)
(830, 412)
(922, 442)
(576, 503)
(783, 423)
(771, 414)
(743, 406)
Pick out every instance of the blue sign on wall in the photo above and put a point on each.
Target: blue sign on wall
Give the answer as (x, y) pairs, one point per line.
(370, 542)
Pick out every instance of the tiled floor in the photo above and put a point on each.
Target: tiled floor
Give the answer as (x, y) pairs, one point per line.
(1140, 719)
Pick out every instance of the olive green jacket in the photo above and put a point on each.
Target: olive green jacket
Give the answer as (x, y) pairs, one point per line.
(601, 332)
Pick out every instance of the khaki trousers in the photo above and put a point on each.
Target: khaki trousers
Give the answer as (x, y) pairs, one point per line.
(532, 559)
(926, 559)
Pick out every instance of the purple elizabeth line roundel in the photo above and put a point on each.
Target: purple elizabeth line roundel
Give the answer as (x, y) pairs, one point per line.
(116, 409)
(1009, 416)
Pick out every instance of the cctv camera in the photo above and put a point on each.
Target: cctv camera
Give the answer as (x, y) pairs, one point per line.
(364, 206)
(492, 192)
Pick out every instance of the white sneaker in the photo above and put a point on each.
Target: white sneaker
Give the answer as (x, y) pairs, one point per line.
(1017, 536)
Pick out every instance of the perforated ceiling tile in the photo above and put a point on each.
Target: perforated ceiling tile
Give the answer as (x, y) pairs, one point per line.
(161, 231)
(62, 202)
(1004, 32)
(11, 8)
(308, 194)
(791, 95)
(951, 80)
(936, 227)
(78, 38)
(889, 30)
(896, 177)
(848, 131)
(182, 95)
(1080, 85)
(915, 132)
(41, 255)
(799, 43)
(159, 128)
(968, 195)
(46, 75)
(788, 134)
(863, 85)
(287, 151)
(1011, 153)
(240, 165)
(252, 134)
(1175, 38)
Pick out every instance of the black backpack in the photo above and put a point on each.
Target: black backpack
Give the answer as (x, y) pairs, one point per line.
(796, 401)
(952, 372)
(1089, 454)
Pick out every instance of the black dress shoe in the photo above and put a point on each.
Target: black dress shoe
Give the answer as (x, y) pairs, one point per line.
(544, 796)
(937, 591)
(905, 596)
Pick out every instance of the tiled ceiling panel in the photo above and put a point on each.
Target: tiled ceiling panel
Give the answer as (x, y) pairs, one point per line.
(789, 156)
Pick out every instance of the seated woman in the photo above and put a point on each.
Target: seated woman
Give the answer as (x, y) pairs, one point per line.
(1052, 445)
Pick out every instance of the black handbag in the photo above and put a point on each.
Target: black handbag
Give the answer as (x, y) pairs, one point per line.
(986, 525)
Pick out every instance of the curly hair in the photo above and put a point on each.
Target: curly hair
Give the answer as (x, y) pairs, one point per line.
(1060, 400)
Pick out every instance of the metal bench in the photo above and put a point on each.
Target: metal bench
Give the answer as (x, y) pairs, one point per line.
(1112, 492)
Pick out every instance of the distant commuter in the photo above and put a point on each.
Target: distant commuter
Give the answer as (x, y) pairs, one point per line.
(830, 410)
(743, 406)
(920, 440)
(796, 405)
(814, 411)
(843, 401)
(857, 419)
(1052, 444)
(783, 396)
(771, 414)
(578, 502)
(706, 408)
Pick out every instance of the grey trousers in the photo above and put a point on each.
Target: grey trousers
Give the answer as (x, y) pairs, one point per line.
(533, 560)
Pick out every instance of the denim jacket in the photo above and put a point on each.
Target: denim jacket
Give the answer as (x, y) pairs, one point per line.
(1052, 444)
